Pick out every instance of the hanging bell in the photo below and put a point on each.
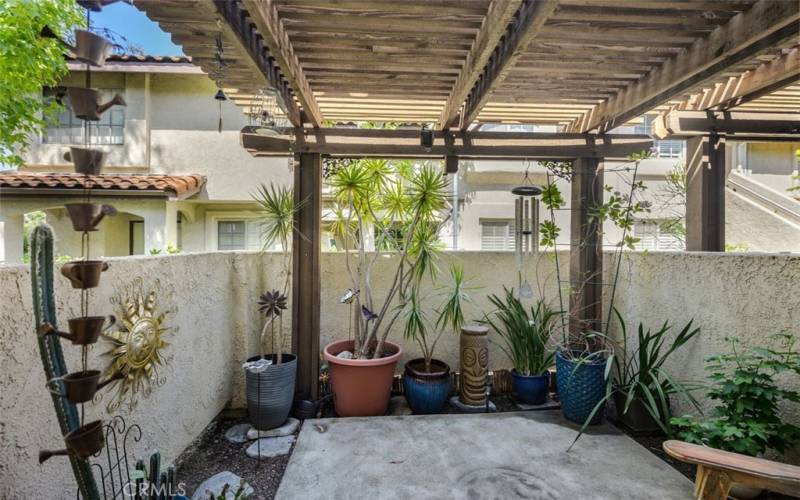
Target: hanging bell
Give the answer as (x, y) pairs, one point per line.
(220, 95)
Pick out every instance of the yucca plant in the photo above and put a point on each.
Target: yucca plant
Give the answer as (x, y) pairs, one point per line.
(277, 210)
(407, 206)
(449, 315)
(525, 333)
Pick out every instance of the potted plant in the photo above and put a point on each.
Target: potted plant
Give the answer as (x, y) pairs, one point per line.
(525, 334)
(270, 377)
(426, 381)
(404, 206)
(641, 386)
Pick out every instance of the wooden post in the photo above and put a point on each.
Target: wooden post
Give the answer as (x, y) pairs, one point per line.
(705, 193)
(586, 249)
(305, 273)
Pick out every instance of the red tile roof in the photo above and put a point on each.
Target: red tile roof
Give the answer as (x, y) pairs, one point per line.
(174, 185)
(133, 58)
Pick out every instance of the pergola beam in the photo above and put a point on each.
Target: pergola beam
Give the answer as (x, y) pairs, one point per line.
(498, 16)
(239, 23)
(530, 18)
(464, 144)
(265, 16)
(766, 24)
(751, 85)
(683, 124)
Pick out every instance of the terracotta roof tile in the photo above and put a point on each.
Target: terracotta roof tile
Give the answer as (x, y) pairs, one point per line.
(178, 185)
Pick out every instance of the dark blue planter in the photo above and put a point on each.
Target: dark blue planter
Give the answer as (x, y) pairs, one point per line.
(426, 392)
(581, 385)
(530, 389)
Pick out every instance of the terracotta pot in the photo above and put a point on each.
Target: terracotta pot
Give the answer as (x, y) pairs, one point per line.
(361, 387)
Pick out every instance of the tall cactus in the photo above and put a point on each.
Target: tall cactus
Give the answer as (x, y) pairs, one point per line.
(50, 348)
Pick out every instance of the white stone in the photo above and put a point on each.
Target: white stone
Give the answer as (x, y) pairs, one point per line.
(238, 433)
(345, 355)
(288, 428)
(270, 447)
(217, 482)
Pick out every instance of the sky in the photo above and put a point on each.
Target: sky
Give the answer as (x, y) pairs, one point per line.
(128, 21)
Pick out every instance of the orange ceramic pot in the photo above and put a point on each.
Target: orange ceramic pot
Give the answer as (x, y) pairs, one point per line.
(361, 387)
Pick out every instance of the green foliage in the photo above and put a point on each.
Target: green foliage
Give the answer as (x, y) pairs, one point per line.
(449, 314)
(172, 249)
(640, 374)
(239, 494)
(277, 210)
(28, 63)
(621, 210)
(747, 417)
(736, 247)
(525, 332)
(155, 251)
(673, 198)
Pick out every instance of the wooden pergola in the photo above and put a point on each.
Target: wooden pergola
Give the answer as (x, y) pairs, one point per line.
(586, 66)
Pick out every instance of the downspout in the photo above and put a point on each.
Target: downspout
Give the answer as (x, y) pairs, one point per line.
(147, 146)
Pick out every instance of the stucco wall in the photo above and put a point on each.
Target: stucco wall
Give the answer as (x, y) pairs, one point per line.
(751, 296)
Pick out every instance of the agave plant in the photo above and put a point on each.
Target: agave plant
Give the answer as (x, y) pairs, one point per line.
(407, 206)
(277, 211)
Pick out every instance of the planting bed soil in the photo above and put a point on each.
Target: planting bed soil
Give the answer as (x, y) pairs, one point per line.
(211, 453)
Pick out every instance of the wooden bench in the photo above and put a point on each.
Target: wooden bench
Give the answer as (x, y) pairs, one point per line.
(717, 470)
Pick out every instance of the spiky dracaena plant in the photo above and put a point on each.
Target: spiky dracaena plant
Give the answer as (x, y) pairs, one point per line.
(277, 210)
(449, 315)
(407, 206)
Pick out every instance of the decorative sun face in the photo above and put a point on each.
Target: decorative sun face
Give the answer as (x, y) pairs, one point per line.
(136, 350)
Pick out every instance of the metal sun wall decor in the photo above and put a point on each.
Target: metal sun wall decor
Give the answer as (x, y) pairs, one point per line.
(137, 349)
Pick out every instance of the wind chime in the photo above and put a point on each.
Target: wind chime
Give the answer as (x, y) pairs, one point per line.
(218, 74)
(77, 388)
(526, 229)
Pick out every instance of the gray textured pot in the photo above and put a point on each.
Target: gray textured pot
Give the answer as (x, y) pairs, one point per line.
(270, 393)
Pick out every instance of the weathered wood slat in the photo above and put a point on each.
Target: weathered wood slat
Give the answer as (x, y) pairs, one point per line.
(747, 34)
(529, 20)
(265, 16)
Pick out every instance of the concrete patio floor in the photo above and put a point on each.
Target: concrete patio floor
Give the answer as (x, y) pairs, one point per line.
(485, 456)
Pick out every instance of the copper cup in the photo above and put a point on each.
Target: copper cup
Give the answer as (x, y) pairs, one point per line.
(79, 387)
(83, 442)
(91, 48)
(86, 104)
(87, 161)
(82, 331)
(86, 216)
(84, 273)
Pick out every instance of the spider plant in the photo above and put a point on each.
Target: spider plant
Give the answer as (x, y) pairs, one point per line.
(277, 210)
(525, 332)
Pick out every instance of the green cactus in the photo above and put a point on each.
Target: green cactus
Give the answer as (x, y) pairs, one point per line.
(50, 348)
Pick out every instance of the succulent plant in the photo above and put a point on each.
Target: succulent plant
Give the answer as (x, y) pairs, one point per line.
(272, 303)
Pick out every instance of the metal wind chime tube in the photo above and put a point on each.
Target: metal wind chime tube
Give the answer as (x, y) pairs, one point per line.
(526, 226)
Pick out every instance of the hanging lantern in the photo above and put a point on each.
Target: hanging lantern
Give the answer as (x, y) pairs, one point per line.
(526, 228)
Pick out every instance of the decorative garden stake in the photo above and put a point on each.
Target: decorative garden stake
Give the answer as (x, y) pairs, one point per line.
(474, 371)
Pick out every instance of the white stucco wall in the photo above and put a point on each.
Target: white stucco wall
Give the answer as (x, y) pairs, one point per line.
(751, 296)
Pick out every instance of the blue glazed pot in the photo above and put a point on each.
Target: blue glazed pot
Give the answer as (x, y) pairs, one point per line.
(426, 392)
(581, 385)
(530, 389)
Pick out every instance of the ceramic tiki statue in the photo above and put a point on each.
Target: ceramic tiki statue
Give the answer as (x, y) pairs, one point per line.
(474, 365)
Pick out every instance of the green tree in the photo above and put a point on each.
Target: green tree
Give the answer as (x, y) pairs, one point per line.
(29, 62)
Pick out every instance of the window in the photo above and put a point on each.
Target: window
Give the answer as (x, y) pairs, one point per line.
(67, 129)
(664, 149)
(497, 235)
(652, 236)
(238, 235)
